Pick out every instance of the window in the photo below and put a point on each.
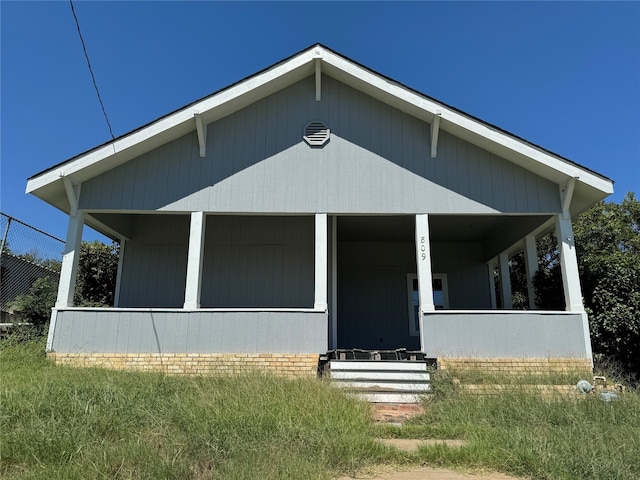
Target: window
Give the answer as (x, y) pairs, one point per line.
(440, 298)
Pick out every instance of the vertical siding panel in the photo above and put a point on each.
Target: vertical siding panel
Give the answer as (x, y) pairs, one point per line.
(117, 189)
(128, 180)
(473, 174)
(174, 172)
(281, 159)
(355, 118)
(364, 177)
(151, 179)
(520, 189)
(394, 202)
(260, 140)
(343, 160)
(430, 164)
(239, 136)
(463, 169)
(532, 192)
(193, 162)
(485, 177)
(450, 167)
(207, 171)
(105, 188)
(508, 180)
(498, 191)
(408, 161)
(293, 178)
(377, 137)
(160, 196)
(182, 173)
(270, 173)
(247, 201)
(544, 195)
(323, 180)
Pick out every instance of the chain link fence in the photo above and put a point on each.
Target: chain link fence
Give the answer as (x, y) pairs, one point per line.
(28, 254)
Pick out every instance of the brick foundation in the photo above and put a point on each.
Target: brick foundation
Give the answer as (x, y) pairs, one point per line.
(519, 366)
(283, 364)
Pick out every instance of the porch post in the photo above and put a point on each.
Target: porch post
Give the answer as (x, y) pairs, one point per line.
(194, 261)
(505, 281)
(492, 285)
(70, 257)
(423, 256)
(320, 296)
(116, 294)
(569, 264)
(423, 260)
(531, 267)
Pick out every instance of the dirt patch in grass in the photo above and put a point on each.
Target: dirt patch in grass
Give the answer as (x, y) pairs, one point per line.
(428, 473)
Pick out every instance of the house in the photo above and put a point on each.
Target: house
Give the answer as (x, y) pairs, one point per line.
(317, 205)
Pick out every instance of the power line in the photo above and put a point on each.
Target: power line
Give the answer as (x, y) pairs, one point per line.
(86, 55)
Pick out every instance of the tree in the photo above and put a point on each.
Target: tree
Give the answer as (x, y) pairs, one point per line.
(95, 286)
(35, 306)
(607, 239)
(97, 271)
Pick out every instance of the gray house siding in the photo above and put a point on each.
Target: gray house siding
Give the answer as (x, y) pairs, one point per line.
(258, 262)
(505, 335)
(467, 277)
(155, 262)
(377, 161)
(158, 331)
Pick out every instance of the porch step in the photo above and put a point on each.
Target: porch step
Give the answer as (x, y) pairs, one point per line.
(386, 381)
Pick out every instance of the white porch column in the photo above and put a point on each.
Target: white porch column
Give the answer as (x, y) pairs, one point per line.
(569, 264)
(320, 296)
(423, 257)
(492, 286)
(69, 270)
(194, 261)
(116, 294)
(530, 251)
(505, 281)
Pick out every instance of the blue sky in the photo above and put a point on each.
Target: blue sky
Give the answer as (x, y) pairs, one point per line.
(564, 75)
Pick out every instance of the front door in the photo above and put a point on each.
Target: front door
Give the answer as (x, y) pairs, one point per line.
(440, 298)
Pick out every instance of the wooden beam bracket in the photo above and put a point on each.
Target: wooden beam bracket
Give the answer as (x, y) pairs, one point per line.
(435, 131)
(202, 134)
(566, 194)
(73, 193)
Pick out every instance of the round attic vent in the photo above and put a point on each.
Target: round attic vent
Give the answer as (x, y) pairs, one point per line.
(316, 134)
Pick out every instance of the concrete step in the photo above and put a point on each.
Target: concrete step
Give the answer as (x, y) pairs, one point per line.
(386, 381)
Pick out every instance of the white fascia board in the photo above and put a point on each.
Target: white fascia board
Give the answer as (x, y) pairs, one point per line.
(561, 169)
(180, 122)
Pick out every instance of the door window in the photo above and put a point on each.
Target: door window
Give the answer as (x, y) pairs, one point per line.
(440, 298)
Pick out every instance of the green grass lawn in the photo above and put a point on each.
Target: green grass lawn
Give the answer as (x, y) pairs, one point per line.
(67, 423)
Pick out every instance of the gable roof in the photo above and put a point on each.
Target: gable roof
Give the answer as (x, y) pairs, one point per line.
(590, 187)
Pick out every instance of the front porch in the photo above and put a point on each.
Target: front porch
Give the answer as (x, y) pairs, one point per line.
(219, 287)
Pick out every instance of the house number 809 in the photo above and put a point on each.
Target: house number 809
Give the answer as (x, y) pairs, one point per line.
(423, 248)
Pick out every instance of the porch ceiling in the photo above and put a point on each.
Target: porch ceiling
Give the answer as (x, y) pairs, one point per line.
(495, 232)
